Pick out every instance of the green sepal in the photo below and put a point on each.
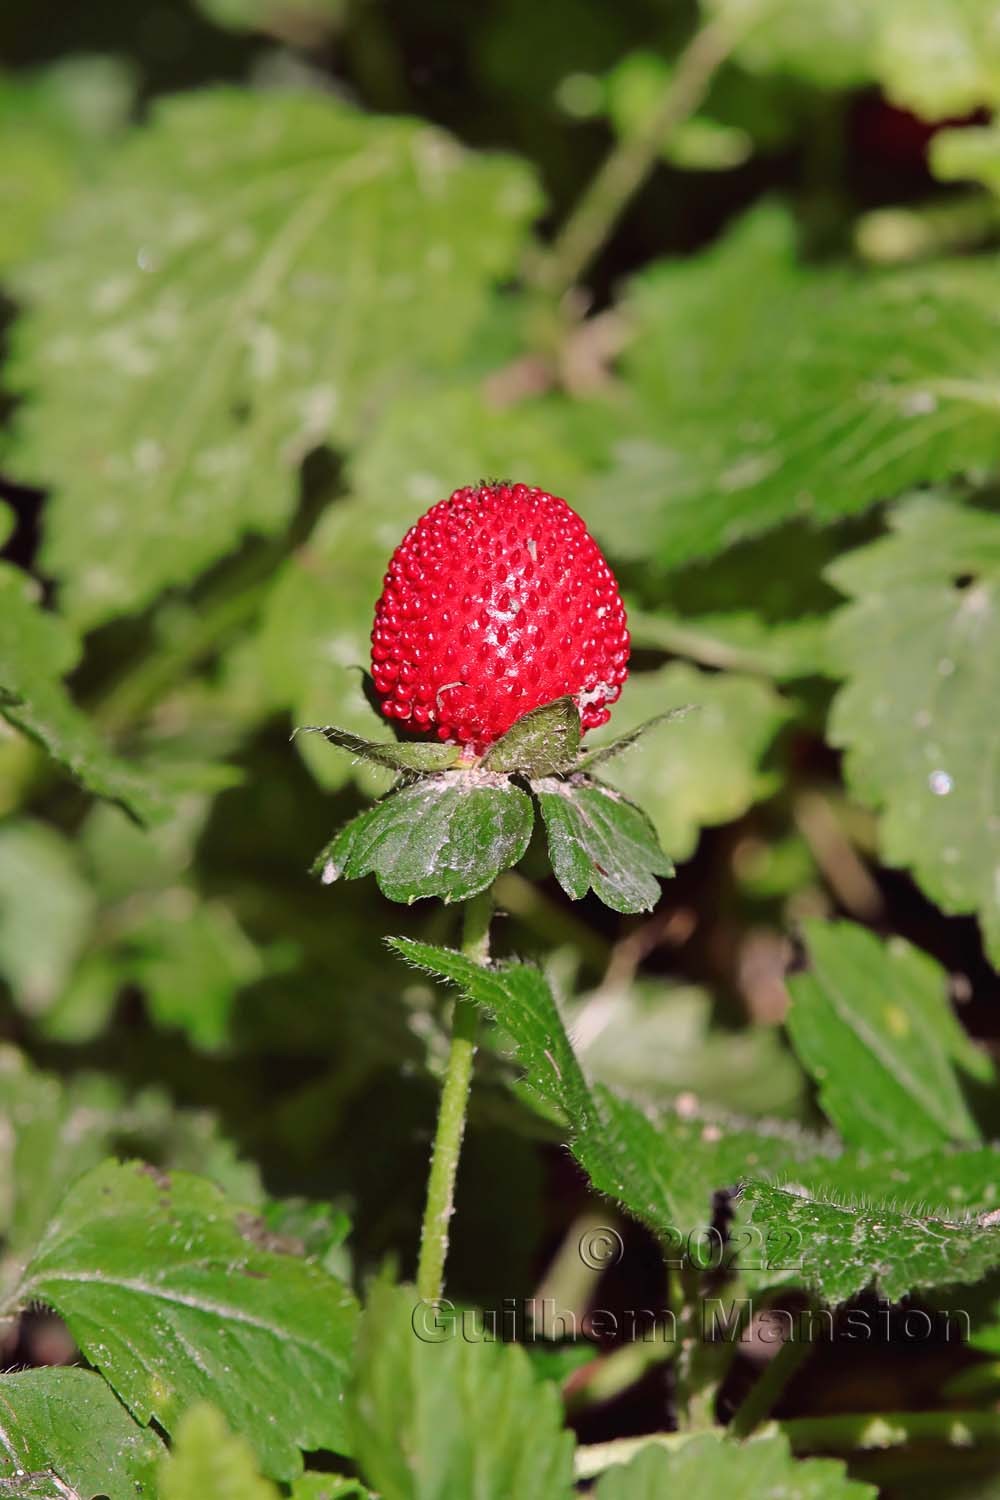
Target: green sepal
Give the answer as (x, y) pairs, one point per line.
(602, 753)
(448, 836)
(541, 743)
(600, 841)
(424, 757)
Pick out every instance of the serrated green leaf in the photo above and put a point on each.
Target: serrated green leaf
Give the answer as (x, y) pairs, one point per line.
(918, 647)
(176, 1295)
(447, 836)
(397, 755)
(787, 392)
(68, 1423)
(708, 1467)
(46, 906)
(664, 1170)
(37, 649)
(540, 743)
(599, 841)
(207, 1459)
(176, 378)
(846, 1246)
(873, 1024)
(802, 1192)
(436, 1418)
(705, 768)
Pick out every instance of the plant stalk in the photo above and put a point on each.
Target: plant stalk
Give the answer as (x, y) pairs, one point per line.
(629, 163)
(452, 1110)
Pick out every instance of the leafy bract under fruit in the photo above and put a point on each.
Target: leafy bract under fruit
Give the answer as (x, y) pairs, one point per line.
(450, 833)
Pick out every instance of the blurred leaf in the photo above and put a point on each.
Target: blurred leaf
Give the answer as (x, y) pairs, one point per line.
(50, 1133)
(786, 391)
(447, 836)
(708, 1467)
(936, 57)
(175, 1294)
(53, 124)
(599, 841)
(704, 768)
(206, 1459)
(434, 1418)
(192, 958)
(302, 21)
(737, 642)
(37, 649)
(873, 1024)
(46, 907)
(918, 647)
(175, 375)
(654, 1041)
(328, 1487)
(967, 154)
(848, 1244)
(67, 1423)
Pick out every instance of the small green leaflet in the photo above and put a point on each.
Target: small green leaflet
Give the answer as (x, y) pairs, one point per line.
(599, 840)
(873, 1024)
(917, 648)
(447, 836)
(170, 343)
(397, 755)
(542, 742)
(707, 1468)
(436, 1418)
(37, 650)
(177, 1296)
(68, 1423)
(206, 1459)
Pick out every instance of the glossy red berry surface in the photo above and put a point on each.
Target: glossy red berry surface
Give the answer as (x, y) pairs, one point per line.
(498, 600)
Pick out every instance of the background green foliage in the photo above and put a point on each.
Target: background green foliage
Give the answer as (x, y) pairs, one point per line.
(275, 277)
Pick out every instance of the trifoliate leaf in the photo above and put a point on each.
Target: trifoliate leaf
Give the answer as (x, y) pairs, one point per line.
(207, 1459)
(763, 390)
(873, 1024)
(703, 769)
(37, 649)
(447, 836)
(171, 350)
(397, 755)
(64, 1433)
(707, 1467)
(177, 1295)
(600, 841)
(918, 647)
(435, 1417)
(540, 743)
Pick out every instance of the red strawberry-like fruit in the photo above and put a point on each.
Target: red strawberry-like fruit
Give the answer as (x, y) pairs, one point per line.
(498, 600)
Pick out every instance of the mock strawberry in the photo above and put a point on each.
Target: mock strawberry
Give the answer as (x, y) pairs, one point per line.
(497, 601)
